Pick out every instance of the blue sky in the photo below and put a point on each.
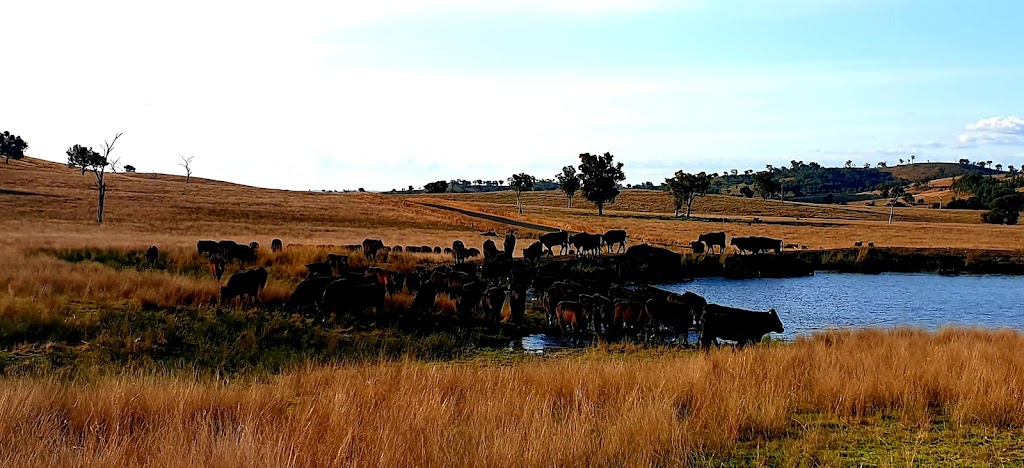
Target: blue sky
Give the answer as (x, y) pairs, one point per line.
(340, 95)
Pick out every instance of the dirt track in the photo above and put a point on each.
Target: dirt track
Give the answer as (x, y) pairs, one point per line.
(494, 218)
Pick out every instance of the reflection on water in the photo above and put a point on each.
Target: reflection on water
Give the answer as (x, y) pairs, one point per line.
(539, 342)
(847, 300)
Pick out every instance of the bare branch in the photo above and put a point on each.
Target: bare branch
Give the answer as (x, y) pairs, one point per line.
(187, 164)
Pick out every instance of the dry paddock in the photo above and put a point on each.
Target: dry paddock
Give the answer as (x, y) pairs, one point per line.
(599, 408)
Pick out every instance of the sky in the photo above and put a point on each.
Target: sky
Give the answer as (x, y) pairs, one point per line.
(312, 95)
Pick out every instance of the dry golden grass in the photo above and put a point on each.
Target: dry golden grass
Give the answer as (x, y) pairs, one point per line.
(47, 204)
(600, 407)
(677, 409)
(648, 216)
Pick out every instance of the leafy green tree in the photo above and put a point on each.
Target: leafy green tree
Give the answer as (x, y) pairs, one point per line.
(1005, 209)
(440, 186)
(600, 176)
(82, 157)
(12, 146)
(685, 189)
(521, 182)
(569, 182)
(766, 185)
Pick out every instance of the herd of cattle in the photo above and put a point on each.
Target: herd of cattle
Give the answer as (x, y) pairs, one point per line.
(497, 288)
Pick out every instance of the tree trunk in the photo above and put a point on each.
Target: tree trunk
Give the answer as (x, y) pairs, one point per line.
(677, 212)
(103, 195)
(519, 204)
(600, 209)
(687, 211)
(892, 208)
(570, 201)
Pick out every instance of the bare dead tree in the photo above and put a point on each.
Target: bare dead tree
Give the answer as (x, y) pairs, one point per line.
(114, 164)
(187, 164)
(99, 168)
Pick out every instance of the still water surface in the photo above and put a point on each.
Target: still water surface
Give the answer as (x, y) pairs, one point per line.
(848, 300)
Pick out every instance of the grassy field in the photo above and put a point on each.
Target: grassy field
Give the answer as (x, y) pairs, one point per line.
(108, 361)
(887, 399)
(647, 215)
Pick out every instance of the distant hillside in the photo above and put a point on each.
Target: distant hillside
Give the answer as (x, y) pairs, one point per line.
(932, 171)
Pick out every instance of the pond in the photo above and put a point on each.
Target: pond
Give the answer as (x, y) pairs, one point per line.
(849, 300)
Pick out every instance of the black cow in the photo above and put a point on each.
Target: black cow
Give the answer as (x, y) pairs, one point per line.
(467, 297)
(712, 240)
(599, 309)
(254, 245)
(226, 247)
(207, 247)
(337, 262)
(276, 245)
(353, 296)
(517, 305)
(586, 243)
(739, 325)
(152, 255)
(510, 243)
(414, 279)
(490, 250)
(437, 249)
(426, 294)
(371, 247)
(458, 251)
(319, 269)
(396, 281)
(697, 246)
(693, 302)
(757, 244)
(242, 253)
(308, 294)
(551, 239)
(244, 283)
(472, 252)
(616, 237)
(673, 315)
(534, 251)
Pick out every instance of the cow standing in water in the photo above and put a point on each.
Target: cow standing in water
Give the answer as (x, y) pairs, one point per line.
(739, 325)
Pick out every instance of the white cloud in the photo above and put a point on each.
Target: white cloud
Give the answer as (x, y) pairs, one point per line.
(994, 131)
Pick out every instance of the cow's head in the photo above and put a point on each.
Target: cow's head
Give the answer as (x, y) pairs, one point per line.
(776, 322)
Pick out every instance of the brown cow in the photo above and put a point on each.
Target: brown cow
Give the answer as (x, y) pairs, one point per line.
(491, 302)
(571, 316)
(628, 314)
(217, 265)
